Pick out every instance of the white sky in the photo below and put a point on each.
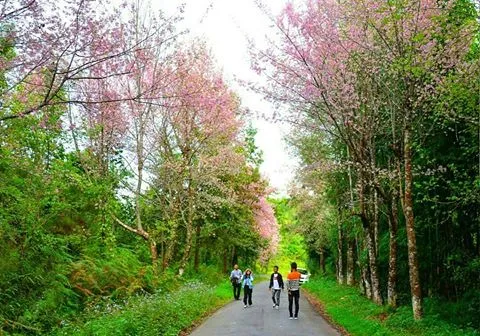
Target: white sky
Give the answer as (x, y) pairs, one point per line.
(224, 25)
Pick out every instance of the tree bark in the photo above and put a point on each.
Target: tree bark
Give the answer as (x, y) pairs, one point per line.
(225, 258)
(370, 243)
(375, 221)
(340, 272)
(234, 256)
(351, 263)
(375, 218)
(351, 242)
(322, 261)
(392, 259)
(188, 221)
(153, 252)
(171, 242)
(186, 251)
(372, 258)
(366, 283)
(196, 261)
(145, 235)
(415, 287)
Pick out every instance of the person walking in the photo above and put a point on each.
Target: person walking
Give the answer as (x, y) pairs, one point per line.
(293, 287)
(235, 279)
(276, 286)
(247, 284)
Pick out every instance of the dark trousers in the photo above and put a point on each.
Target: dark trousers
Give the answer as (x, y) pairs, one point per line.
(247, 295)
(236, 290)
(276, 296)
(291, 296)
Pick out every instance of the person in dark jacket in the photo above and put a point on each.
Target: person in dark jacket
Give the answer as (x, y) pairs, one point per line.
(276, 286)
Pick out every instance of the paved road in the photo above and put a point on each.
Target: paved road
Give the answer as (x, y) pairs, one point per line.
(261, 319)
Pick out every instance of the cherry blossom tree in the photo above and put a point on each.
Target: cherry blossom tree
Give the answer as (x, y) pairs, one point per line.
(195, 147)
(118, 111)
(267, 226)
(62, 47)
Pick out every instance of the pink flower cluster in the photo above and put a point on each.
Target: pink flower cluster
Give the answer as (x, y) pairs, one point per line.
(267, 227)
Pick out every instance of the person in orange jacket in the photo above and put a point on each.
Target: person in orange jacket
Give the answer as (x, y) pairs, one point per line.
(293, 288)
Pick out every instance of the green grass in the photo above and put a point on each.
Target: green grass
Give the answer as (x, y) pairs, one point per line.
(360, 317)
(159, 314)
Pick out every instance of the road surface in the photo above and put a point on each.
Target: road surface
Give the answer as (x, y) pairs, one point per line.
(262, 319)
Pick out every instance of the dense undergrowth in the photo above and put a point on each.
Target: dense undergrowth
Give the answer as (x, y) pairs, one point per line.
(158, 314)
(122, 296)
(360, 317)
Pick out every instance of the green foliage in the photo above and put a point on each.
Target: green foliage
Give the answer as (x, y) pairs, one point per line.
(252, 152)
(292, 246)
(157, 314)
(360, 317)
(63, 253)
(54, 227)
(118, 274)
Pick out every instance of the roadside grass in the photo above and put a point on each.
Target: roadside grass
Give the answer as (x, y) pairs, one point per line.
(158, 314)
(360, 317)
(260, 277)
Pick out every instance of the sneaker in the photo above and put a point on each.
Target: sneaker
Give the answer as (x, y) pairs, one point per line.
(274, 305)
(277, 307)
(291, 318)
(245, 306)
(296, 318)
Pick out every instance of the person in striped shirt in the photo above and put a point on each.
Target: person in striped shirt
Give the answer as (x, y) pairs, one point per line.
(293, 288)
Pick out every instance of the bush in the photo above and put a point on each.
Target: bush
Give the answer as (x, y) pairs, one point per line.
(157, 314)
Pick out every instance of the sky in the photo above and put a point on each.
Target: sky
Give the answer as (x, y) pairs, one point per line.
(225, 26)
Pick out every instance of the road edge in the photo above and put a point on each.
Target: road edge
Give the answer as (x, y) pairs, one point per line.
(198, 322)
(319, 307)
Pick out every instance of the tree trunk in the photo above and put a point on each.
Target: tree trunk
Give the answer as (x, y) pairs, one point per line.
(162, 250)
(138, 191)
(145, 235)
(234, 256)
(366, 283)
(375, 201)
(478, 233)
(478, 176)
(370, 243)
(351, 242)
(392, 260)
(153, 252)
(351, 263)
(186, 251)
(415, 287)
(375, 221)
(171, 242)
(225, 258)
(196, 262)
(372, 258)
(322, 261)
(340, 272)
(188, 221)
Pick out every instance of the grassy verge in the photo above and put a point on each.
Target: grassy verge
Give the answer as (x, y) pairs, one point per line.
(159, 314)
(360, 317)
